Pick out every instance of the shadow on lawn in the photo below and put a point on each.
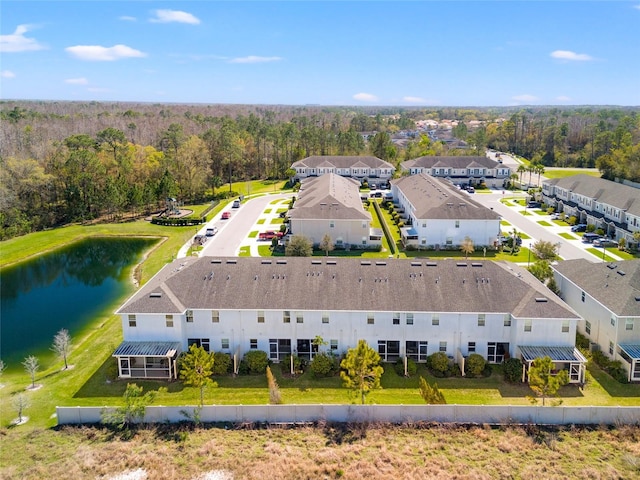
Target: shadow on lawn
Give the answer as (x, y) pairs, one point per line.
(612, 386)
(103, 384)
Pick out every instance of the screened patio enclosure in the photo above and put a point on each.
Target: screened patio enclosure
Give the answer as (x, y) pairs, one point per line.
(563, 358)
(153, 360)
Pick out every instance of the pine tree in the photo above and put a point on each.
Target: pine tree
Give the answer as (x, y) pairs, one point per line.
(361, 370)
(430, 393)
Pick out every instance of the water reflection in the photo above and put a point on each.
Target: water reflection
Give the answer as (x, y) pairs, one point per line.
(66, 288)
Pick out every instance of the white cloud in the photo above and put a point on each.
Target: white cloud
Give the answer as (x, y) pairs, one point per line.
(525, 98)
(563, 98)
(413, 100)
(637, 7)
(365, 97)
(77, 81)
(571, 56)
(127, 18)
(7, 74)
(17, 42)
(97, 53)
(169, 16)
(254, 59)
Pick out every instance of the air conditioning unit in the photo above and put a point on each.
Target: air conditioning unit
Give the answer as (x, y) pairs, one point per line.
(594, 347)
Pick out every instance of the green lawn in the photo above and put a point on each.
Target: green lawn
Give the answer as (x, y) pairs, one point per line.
(544, 223)
(282, 210)
(602, 254)
(277, 221)
(568, 172)
(267, 211)
(253, 234)
(504, 223)
(265, 250)
(245, 251)
(260, 221)
(568, 236)
(525, 212)
(257, 186)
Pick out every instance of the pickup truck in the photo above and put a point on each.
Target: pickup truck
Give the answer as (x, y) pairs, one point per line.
(269, 235)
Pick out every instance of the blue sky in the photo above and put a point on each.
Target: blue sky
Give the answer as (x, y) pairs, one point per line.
(417, 53)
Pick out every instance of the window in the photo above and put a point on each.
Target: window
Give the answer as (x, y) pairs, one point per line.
(396, 318)
(610, 348)
(325, 317)
(332, 224)
(253, 343)
(613, 321)
(333, 344)
(286, 316)
(443, 347)
(370, 319)
(457, 223)
(189, 316)
(527, 325)
(507, 320)
(409, 318)
(224, 343)
(449, 240)
(279, 348)
(565, 326)
(587, 327)
(169, 320)
(424, 224)
(583, 296)
(481, 319)
(200, 342)
(299, 318)
(260, 316)
(435, 319)
(132, 321)
(628, 324)
(471, 347)
(389, 350)
(417, 350)
(215, 316)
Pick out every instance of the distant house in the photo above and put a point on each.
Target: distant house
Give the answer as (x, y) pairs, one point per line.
(361, 168)
(607, 297)
(472, 170)
(439, 215)
(611, 206)
(401, 307)
(331, 204)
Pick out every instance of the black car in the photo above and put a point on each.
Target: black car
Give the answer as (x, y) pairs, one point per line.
(534, 205)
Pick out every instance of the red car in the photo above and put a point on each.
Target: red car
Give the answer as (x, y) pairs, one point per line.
(269, 235)
(226, 215)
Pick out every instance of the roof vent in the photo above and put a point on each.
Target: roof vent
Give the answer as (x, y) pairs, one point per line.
(266, 262)
(216, 260)
(155, 295)
(416, 264)
(612, 266)
(281, 262)
(431, 264)
(316, 262)
(476, 264)
(381, 263)
(541, 300)
(364, 262)
(232, 262)
(620, 272)
(461, 264)
(637, 298)
(332, 262)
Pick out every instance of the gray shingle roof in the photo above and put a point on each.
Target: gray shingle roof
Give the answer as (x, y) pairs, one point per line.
(350, 284)
(604, 191)
(342, 161)
(450, 162)
(434, 198)
(331, 197)
(615, 285)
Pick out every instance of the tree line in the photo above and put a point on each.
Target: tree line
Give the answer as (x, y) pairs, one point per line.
(64, 162)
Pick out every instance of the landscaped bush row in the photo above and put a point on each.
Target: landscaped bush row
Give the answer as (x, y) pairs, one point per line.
(612, 367)
(179, 222)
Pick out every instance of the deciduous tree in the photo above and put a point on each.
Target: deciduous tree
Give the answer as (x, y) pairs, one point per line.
(31, 366)
(541, 379)
(133, 410)
(62, 345)
(467, 246)
(326, 244)
(299, 246)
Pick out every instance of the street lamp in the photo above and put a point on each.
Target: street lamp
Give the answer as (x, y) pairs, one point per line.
(529, 258)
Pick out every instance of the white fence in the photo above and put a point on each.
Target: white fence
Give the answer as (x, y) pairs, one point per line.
(490, 414)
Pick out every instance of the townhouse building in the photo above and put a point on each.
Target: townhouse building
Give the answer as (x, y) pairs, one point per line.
(471, 170)
(607, 298)
(401, 307)
(610, 206)
(371, 169)
(439, 215)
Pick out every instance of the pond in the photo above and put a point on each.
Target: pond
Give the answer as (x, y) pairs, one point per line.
(67, 288)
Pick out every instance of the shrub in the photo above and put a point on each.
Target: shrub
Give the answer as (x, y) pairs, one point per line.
(438, 362)
(412, 368)
(582, 342)
(256, 361)
(512, 369)
(475, 365)
(324, 365)
(221, 363)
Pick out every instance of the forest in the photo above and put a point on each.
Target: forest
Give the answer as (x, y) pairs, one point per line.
(65, 162)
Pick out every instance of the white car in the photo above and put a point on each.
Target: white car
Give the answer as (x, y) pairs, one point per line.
(211, 231)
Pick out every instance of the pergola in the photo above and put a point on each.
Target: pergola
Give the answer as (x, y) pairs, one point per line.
(147, 360)
(563, 358)
(631, 354)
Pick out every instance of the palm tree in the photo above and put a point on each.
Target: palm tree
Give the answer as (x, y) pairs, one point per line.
(513, 177)
(521, 170)
(531, 169)
(539, 171)
(467, 247)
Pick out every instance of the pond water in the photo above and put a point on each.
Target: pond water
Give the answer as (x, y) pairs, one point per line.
(67, 288)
